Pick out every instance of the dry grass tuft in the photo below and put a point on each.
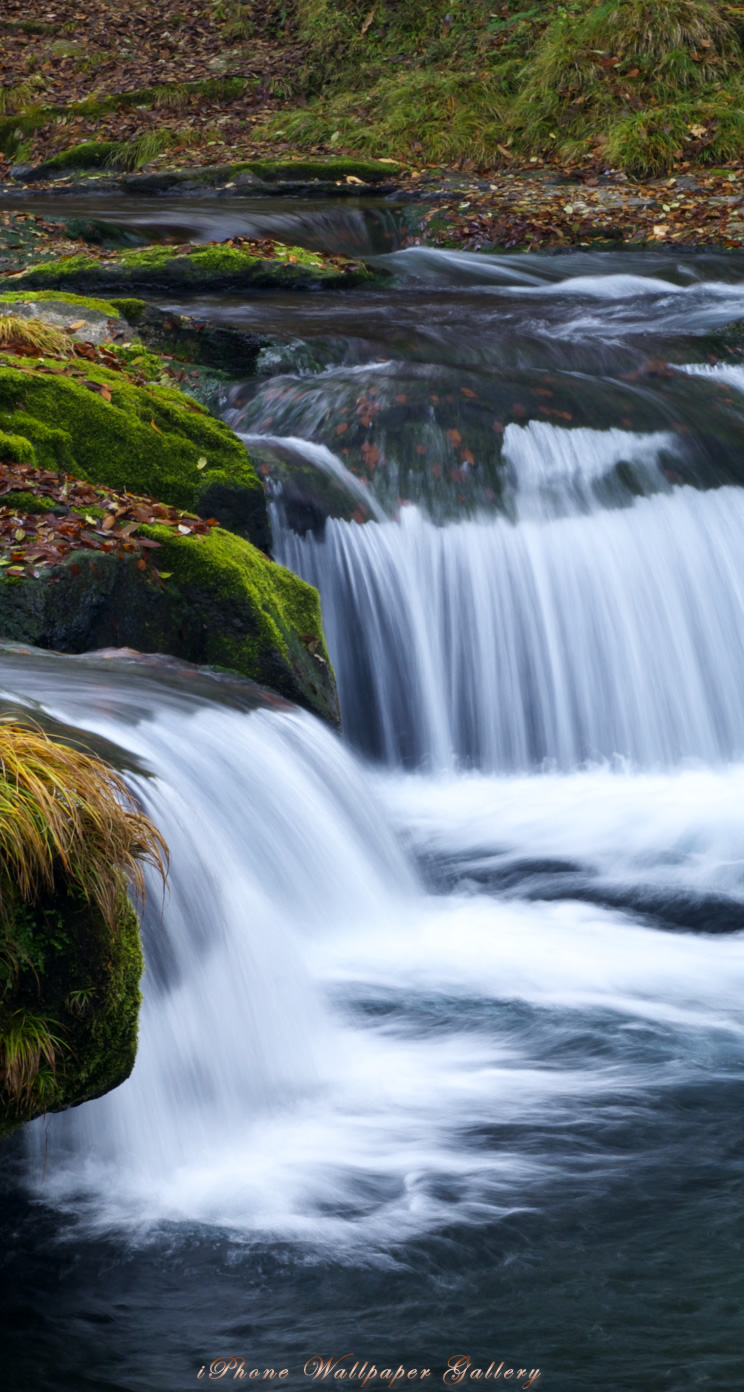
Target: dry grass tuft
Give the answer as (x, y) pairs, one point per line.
(65, 816)
(18, 334)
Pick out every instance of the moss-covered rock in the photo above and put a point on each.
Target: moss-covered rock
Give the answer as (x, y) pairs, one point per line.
(89, 154)
(16, 449)
(85, 319)
(25, 503)
(152, 440)
(324, 170)
(219, 602)
(68, 980)
(105, 307)
(161, 270)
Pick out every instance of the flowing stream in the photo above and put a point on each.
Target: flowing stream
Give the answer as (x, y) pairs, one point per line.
(442, 1046)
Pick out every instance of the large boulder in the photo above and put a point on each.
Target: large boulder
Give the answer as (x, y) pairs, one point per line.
(98, 425)
(212, 599)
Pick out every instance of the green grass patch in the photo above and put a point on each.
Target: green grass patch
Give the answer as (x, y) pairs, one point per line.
(638, 84)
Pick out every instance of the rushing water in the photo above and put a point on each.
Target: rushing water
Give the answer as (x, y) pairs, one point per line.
(442, 1048)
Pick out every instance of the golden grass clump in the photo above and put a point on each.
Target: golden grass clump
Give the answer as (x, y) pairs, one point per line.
(67, 819)
(33, 336)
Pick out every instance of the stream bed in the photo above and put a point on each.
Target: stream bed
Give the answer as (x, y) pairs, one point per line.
(442, 1047)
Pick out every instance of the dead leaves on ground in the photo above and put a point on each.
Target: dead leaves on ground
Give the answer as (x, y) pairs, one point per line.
(516, 209)
(31, 543)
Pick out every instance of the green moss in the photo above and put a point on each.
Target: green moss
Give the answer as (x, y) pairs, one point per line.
(22, 501)
(332, 170)
(255, 614)
(106, 154)
(106, 307)
(63, 968)
(136, 355)
(14, 128)
(91, 154)
(16, 449)
(152, 440)
(132, 310)
(217, 267)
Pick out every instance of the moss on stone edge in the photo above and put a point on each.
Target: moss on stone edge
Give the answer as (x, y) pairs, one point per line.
(220, 602)
(82, 981)
(329, 170)
(130, 309)
(255, 614)
(90, 154)
(64, 297)
(152, 440)
(210, 267)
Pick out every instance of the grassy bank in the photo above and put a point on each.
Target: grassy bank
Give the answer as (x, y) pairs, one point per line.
(639, 86)
(631, 84)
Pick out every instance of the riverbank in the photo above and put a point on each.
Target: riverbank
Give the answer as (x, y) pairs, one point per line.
(505, 128)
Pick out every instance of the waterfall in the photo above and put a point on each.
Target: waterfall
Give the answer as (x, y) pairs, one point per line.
(275, 840)
(562, 639)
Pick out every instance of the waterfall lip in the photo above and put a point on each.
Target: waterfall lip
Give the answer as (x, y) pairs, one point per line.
(575, 637)
(180, 679)
(320, 457)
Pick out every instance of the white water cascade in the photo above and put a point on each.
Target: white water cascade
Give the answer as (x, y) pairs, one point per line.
(580, 633)
(388, 1002)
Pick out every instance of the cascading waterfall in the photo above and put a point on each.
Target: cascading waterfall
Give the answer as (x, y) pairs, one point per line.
(580, 633)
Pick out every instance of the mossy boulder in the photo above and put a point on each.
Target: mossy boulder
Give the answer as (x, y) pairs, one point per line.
(89, 154)
(220, 602)
(152, 440)
(65, 975)
(105, 307)
(161, 270)
(86, 319)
